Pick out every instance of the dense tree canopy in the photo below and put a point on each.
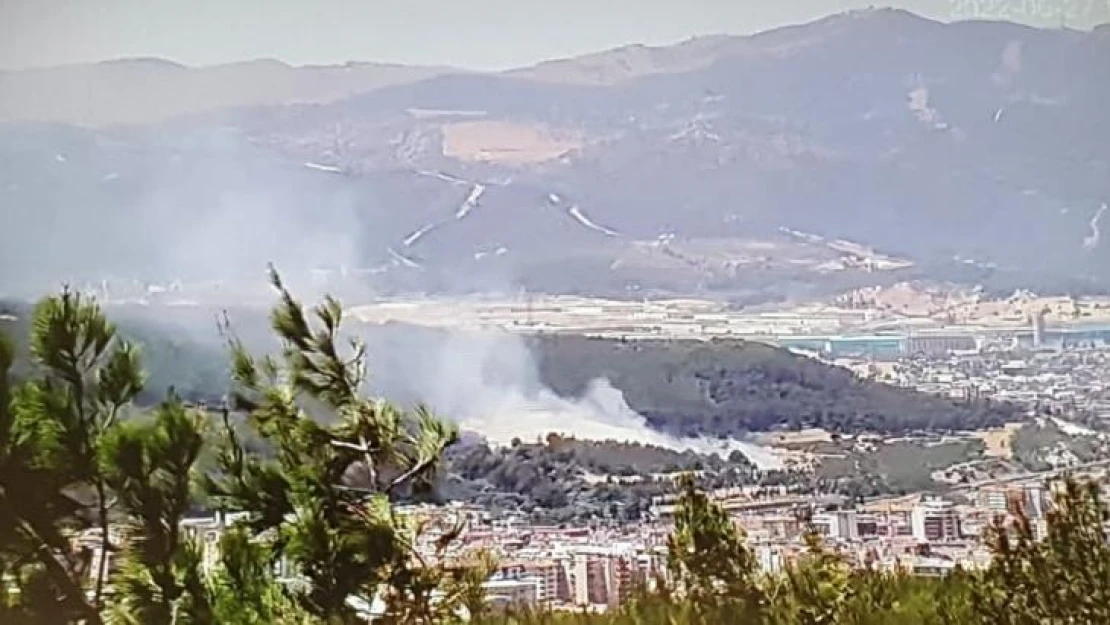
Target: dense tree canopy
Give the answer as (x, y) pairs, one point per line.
(728, 387)
(561, 479)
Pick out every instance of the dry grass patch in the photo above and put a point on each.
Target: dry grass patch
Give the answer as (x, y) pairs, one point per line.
(506, 143)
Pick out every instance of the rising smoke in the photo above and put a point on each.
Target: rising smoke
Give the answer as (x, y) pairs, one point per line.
(209, 206)
(489, 383)
(84, 206)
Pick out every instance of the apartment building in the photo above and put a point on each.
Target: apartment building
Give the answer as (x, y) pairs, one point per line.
(935, 519)
(602, 576)
(840, 525)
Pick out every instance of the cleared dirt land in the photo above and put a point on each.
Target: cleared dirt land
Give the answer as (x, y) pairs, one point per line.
(505, 143)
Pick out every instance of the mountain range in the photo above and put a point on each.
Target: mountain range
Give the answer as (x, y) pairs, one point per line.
(865, 147)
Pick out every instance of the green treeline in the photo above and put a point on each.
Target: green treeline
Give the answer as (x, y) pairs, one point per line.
(314, 469)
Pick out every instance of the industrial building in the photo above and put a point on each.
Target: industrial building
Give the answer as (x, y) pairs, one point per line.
(887, 346)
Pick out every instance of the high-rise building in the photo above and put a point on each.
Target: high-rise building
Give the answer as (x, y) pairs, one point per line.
(837, 524)
(601, 576)
(995, 499)
(519, 593)
(554, 587)
(935, 520)
(770, 558)
(1038, 500)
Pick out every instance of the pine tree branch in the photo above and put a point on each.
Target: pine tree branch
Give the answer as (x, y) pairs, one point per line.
(60, 576)
(405, 477)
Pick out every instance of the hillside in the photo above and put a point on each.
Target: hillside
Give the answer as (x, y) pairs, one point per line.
(196, 369)
(681, 387)
(727, 388)
(568, 478)
(604, 463)
(143, 91)
(633, 171)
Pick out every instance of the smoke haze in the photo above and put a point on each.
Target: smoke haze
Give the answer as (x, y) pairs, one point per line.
(209, 206)
(488, 382)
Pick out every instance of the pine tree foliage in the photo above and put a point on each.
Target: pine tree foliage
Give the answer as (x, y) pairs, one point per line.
(244, 589)
(36, 585)
(53, 427)
(818, 589)
(708, 558)
(421, 591)
(323, 500)
(1064, 578)
(150, 470)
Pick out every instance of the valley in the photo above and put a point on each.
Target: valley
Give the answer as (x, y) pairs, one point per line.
(794, 164)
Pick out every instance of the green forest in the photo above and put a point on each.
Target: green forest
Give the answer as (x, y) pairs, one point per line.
(548, 477)
(727, 387)
(315, 470)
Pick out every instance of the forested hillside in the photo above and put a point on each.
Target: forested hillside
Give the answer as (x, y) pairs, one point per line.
(562, 478)
(195, 369)
(727, 387)
(683, 387)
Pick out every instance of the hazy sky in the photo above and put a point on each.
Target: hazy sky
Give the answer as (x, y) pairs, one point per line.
(484, 34)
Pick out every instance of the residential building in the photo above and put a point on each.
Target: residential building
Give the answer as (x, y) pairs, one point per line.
(935, 520)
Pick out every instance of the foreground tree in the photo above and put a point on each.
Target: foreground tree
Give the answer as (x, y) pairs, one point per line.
(709, 561)
(815, 590)
(1064, 578)
(54, 425)
(88, 376)
(244, 590)
(37, 584)
(149, 466)
(322, 500)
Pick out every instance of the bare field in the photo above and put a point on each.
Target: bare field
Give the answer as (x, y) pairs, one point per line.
(802, 437)
(962, 306)
(999, 441)
(505, 143)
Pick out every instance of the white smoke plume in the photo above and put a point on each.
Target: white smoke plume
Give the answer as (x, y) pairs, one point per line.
(198, 208)
(489, 383)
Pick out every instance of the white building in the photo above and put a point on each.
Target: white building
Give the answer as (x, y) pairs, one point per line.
(521, 593)
(838, 524)
(770, 558)
(935, 520)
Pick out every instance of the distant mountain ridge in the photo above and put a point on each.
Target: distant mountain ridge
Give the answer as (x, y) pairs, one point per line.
(150, 90)
(636, 61)
(975, 149)
(141, 90)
